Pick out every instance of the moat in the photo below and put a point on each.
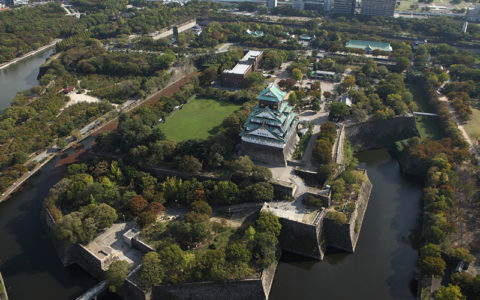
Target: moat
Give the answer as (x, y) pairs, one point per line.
(382, 266)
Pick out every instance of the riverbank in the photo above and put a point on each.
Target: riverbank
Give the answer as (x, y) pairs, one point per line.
(31, 53)
(95, 128)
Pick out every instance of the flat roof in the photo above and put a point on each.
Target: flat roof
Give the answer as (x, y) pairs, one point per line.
(324, 72)
(358, 44)
(251, 54)
(238, 69)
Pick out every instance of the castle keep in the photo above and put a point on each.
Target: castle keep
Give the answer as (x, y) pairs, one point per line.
(269, 135)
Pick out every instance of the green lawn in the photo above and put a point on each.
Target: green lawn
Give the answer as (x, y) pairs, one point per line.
(427, 126)
(198, 119)
(472, 127)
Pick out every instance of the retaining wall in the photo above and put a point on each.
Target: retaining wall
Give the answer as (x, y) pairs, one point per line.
(344, 237)
(380, 133)
(302, 238)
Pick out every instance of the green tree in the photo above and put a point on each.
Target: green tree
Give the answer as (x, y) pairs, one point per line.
(104, 215)
(254, 78)
(450, 292)
(297, 74)
(116, 274)
(434, 266)
(260, 192)
(173, 263)
(189, 164)
(338, 217)
(338, 111)
(268, 222)
(432, 250)
(237, 253)
(201, 207)
(151, 273)
(402, 63)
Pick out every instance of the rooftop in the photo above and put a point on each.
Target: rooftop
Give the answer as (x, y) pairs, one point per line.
(272, 93)
(251, 54)
(369, 45)
(238, 69)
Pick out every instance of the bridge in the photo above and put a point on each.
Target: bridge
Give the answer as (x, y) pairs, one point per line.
(94, 292)
(418, 113)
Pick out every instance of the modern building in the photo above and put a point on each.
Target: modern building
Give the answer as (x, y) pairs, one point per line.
(473, 14)
(344, 7)
(345, 99)
(255, 33)
(369, 46)
(269, 135)
(325, 75)
(382, 8)
(236, 77)
(271, 4)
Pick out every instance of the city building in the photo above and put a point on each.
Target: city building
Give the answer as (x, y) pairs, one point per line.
(271, 4)
(368, 46)
(473, 14)
(269, 135)
(382, 8)
(344, 7)
(325, 75)
(236, 77)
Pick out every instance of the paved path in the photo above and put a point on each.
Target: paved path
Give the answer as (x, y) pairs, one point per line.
(424, 114)
(15, 60)
(169, 32)
(459, 125)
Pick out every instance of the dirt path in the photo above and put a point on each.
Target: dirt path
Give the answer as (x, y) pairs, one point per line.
(459, 125)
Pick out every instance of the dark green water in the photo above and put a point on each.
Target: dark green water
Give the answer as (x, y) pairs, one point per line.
(383, 264)
(382, 267)
(21, 76)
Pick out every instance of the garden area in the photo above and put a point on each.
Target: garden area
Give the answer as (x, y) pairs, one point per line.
(198, 119)
(472, 127)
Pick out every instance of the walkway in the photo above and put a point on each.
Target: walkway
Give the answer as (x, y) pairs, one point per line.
(459, 125)
(419, 113)
(94, 292)
(181, 28)
(15, 60)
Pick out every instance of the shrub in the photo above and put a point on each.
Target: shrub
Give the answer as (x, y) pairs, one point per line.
(116, 274)
(338, 217)
(433, 266)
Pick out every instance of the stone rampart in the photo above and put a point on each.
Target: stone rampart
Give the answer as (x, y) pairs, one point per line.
(380, 133)
(302, 238)
(142, 246)
(344, 237)
(282, 187)
(258, 288)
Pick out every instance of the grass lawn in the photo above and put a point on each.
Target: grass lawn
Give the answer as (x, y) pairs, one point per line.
(405, 4)
(428, 127)
(198, 119)
(472, 127)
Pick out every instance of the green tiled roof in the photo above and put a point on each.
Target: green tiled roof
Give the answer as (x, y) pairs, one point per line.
(272, 93)
(369, 45)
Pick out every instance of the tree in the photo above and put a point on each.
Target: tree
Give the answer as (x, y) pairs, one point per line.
(138, 204)
(463, 254)
(104, 215)
(242, 167)
(116, 274)
(74, 228)
(207, 76)
(189, 164)
(338, 111)
(433, 266)
(254, 78)
(260, 192)
(432, 250)
(348, 81)
(322, 151)
(237, 253)
(156, 208)
(297, 74)
(146, 218)
(151, 273)
(261, 173)
(268, 222)
(292, 98)
(402, 63)
(450, 292)
(173, 262)
(201, 207)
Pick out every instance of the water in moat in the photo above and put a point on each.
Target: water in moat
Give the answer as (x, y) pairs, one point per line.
(381, 268)
(383, 265)
(21, 76)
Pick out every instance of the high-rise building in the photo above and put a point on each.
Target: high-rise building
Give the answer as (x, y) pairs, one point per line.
(327, 6)
(384, 8)
(271, 4)
(344, 7)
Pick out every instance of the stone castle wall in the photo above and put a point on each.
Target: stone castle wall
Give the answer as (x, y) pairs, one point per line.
(344, 237)
(380, 133)
(302, 238)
